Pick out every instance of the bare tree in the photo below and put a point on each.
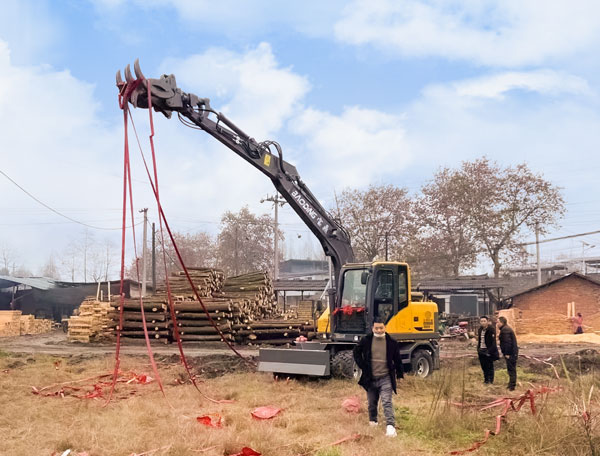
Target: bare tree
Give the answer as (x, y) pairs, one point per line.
(245, 242)
(8, 260)
(50, 268)
(197, 249)
(446, 243)
(505, 203)
(376, 219)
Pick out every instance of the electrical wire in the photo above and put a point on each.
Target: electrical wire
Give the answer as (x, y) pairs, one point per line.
(54, 210)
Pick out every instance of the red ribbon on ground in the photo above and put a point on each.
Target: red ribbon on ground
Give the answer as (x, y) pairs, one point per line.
(247, 451)
(508, 404)
(214, 420)
(265, 413)
(351, 404)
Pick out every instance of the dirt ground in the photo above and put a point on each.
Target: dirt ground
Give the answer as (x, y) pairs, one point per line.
(55, 343)
(67, 409)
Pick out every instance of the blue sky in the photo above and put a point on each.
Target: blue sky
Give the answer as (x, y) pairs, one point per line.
(356, 92)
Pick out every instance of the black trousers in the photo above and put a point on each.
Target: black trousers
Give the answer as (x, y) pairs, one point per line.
(511, 367)
(487, 366)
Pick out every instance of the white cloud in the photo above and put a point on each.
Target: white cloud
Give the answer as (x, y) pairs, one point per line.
(258, 94)
(467, 119)
(352, 149)
(507, 33)
(545, 82)
(234, 18)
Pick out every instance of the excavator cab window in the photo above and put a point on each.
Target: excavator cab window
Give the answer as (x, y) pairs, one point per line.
(402, 288)
(354, 290)
(383, 304)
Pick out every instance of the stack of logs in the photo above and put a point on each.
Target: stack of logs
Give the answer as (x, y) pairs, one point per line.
(243, 307)
(155, 313)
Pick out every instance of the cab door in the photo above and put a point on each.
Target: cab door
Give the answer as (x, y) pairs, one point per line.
(401, 321)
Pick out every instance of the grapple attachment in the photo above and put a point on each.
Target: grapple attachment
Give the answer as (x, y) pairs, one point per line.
(165, 96)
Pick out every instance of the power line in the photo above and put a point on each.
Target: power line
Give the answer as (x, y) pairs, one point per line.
(54, 210)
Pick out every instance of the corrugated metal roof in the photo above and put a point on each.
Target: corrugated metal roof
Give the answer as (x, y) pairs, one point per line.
(40, 283)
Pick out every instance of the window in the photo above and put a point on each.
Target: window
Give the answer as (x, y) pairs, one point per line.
(354, 293)
(402, 290)
(384, 294)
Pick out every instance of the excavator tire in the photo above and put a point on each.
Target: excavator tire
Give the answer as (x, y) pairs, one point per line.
(422, 363)
(343, 365)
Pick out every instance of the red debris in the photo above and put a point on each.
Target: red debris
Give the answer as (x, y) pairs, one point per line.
(215, 420)
(348, 310)
(351, 404)
(246, 451)
(265, 413)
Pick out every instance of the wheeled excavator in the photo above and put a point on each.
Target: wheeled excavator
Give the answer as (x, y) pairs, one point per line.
(358, 292)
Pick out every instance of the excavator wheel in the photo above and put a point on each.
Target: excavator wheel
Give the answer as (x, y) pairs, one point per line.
(343, 365)
(422, 363)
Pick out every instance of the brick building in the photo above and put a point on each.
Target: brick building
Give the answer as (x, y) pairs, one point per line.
(546, 309)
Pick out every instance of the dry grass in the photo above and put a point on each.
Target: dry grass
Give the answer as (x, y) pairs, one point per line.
(311, 420)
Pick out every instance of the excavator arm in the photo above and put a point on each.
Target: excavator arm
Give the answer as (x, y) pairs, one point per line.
(165, 97)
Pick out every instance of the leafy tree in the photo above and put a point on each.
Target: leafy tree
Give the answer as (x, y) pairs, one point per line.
(245, 242)
(504, 203)
(374, 217)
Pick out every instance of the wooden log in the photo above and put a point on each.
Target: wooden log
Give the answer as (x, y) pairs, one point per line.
(202, 330)
(137, 316)
(204, 338)
(201, 316)
(193, 306)
(139, 325)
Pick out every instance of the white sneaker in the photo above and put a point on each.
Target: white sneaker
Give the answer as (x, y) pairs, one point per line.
(372, 423)
(390, 431)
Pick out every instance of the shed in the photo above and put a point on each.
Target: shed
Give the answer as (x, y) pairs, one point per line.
(547, 308)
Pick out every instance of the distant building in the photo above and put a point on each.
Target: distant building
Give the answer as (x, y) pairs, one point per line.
(547, 308)
(305, 269)
(49, 298)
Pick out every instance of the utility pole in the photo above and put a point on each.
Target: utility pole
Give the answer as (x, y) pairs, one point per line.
(276, 200)
(236, 250)
(153, 258)
(537, 253)
(144, 244)
(583, 264)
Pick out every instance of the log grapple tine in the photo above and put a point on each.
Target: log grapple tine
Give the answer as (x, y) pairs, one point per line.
(138, 70)
(128, 76)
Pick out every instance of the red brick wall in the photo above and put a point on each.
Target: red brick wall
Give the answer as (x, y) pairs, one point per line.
(544, 311)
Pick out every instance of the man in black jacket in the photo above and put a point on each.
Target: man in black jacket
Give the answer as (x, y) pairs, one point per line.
(510, 351)
(487, 349)
(378, 356)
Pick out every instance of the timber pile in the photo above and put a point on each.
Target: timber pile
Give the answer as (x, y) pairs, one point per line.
(10, 323)
(155, 312)
(91, 322)
(272, 331)
(31, 325)
(13, 323)
(206, 280)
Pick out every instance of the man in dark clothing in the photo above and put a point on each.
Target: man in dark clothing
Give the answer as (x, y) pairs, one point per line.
(510, 351)
(487, 349)
(378, 356)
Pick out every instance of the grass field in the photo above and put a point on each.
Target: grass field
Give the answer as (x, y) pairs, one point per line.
(142, 421)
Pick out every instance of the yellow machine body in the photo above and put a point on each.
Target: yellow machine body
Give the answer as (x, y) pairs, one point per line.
(416, 319)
